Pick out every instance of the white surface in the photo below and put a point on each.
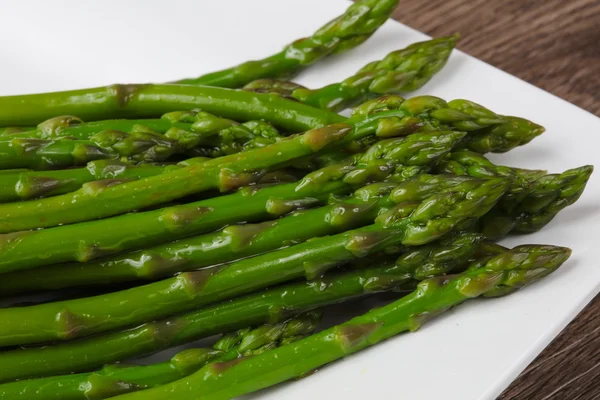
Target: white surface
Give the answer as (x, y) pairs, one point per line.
(473, 352)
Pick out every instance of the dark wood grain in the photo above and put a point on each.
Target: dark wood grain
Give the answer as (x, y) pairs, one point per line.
(555, 45)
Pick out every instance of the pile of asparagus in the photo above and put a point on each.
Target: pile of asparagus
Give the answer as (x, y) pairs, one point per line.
(241, 204)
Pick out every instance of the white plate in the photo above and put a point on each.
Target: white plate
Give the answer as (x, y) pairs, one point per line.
(473, 352)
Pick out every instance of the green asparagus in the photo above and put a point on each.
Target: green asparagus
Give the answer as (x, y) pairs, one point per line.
(478, 166)
(403, 70)
(25, 185)
(40, 154)
(548, 196)
(262, 307)
(225, 173)
(488, 131)
(72, 126)
(191, 129)
(343, 33)
(215, 137)
(151, 101)
(499, 275)
(86, 241)
(117, 379)
(282, 207)
(140, 145)
(103, 198)
(503, 137)
(412, 154)
(408, 223)
(531, 202)
(231, 138)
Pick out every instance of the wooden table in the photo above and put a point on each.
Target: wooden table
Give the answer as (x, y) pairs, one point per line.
(555, 45)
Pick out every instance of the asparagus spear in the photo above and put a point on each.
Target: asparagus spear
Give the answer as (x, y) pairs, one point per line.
(232, 243)
(225, 173)
(27, 184)
(500, 138)
(421, 112)
(500, 275)
(403, 70)
(533, 199)
(478, 166)
(407, 224)
(215, 137)
(117, 379)
(218, 136)
(135, 101)
(548, 196)
(72, 126)
(410, 115)
(489, 132)
(150, 101)
(257, 308)
(132, 231)
(40, 154)
(102, 198)
(22, 250)
(414, 154)
(345, 32)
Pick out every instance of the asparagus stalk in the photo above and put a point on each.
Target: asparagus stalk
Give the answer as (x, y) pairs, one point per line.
(72, 126)
(27, 184)
(407, 224)
(217, 136)
(102, 198)
(113, 380)
(93, 352)
(533, 199)
(70, 242)
(105, 199)
(489, 132)
(135, 101)
(500, 138)
(40, 154)
(548, 196)
(400, 71)
(500, 275)
(343, 33)
(140, 145)
(417, 112)
(151, 101)
(478, 166)
(132, 231)
(419, 150)
(262, 307)
(232, 243)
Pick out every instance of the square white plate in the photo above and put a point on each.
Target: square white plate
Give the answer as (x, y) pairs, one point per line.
(474, 351)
